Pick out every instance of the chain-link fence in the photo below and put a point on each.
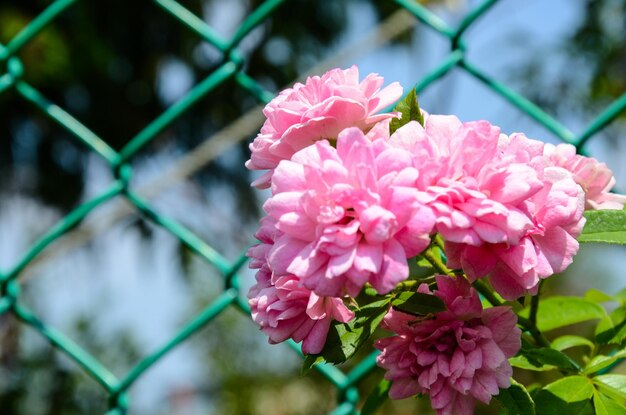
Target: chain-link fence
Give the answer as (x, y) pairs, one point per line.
(231, 69)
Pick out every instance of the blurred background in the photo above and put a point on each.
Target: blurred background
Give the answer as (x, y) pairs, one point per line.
(121, 286)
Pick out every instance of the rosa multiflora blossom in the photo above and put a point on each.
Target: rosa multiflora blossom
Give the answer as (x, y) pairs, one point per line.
(351, 204)
(283, 307)
(457, 356)
(471, 191)
(349, 215)
(595, 178)
(318, 109)
(503, 209)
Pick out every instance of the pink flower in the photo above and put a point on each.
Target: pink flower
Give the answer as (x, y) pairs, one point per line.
(501, 207)
(258, 254)
(282, 306)
(349, 215)
(288, 310)
(457, 356)
(472, 191)
(546, 248)
(594, 177)
(319, 109)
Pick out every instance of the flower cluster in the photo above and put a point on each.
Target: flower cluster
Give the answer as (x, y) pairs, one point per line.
(457, 356)
(318, 109)
(353, 201)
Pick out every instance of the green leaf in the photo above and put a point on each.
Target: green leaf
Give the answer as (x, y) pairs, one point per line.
(540, 356)
(344, 339)
(522, 362)
(516, 400)
(309, 362)
(606, 226)
(555, 312)
(597, 296)
(621, 296)
(613, 385)
(569, 341)
(612, 328)
(604, 405)
(376, 398)
(409, 110)
(567, 396)
(602, 362)
(417, 304)
(423, 263)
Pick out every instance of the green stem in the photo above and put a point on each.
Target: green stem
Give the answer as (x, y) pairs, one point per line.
(532, 320)
(534, 306)
(436, 262)
(438, 241)
(484, 290)
(528, 325)
(409, 285)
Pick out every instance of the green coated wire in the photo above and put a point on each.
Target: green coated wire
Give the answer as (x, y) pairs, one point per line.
(427, 17)
(65, 120)
(526, 106)
(63, 226)
(175, 111)
(90, 364)
(36, 26)
(193, 22)
(362, 369)
(191, 240)
(470, 18)
(200, 321)
(611, 112)
(253, 20)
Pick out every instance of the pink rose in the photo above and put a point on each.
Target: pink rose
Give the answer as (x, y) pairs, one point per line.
(547, 247)
(288, 310)
(457, 356)
(349, 215)
(318, 109)
(594, 177)
(472, 191)
(283, 307)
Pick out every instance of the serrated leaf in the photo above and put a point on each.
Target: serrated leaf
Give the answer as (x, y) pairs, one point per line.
(612, 328)
(569, 341)
(516, 400)
(540, 356)
(344, 339)
(417, 304)
(570, 395)
(376, 398)
(604, 405)
(605, 226)
(555, 312)
(615, 385)
(409, 110)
